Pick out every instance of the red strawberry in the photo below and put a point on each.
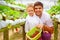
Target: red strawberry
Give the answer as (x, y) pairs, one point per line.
(16, 29)
(35, 34)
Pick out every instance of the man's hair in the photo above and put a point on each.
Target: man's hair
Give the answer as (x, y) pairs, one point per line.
(38, 3)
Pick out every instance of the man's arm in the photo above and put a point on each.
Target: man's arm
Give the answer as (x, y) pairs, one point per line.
(47, 28)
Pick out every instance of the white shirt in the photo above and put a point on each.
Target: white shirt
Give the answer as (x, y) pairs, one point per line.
(45, 18)
(31, 22)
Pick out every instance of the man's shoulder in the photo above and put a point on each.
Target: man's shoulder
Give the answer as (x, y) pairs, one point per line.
(46, 14)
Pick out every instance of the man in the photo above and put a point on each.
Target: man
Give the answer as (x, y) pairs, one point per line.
(47, 26)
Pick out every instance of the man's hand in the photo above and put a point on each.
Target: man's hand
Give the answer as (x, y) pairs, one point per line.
(45, 31)
(40, 26)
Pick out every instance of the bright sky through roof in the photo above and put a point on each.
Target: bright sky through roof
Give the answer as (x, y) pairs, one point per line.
(47, 3)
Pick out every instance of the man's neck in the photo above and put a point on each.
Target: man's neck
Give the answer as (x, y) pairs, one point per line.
(39, 16)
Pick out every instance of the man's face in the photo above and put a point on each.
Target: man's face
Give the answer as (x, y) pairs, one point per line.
(38, 10)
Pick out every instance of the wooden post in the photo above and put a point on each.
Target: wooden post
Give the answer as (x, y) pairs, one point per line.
(24, 35)
(6, 34)
(55, 30)
(23, 31)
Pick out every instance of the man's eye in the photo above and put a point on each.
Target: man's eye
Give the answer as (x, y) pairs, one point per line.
(36, 8)
(39, 8)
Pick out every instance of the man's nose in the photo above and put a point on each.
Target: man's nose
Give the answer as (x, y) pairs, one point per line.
(38, 9)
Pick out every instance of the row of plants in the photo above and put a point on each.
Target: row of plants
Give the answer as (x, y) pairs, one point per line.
(14, 3)
(9, 13)
(55, 14)
(55, 9)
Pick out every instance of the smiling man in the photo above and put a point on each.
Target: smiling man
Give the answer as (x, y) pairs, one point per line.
(47, 26)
